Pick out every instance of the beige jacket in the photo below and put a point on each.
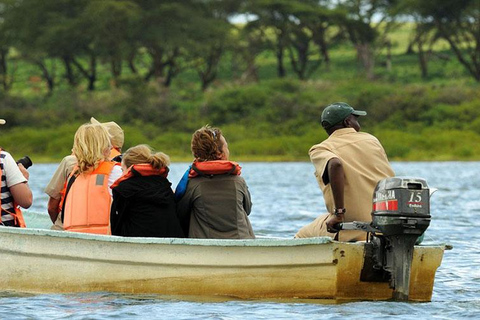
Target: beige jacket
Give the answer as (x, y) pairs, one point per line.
(364, 162)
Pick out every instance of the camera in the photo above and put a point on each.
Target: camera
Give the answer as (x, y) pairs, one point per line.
(26, 161)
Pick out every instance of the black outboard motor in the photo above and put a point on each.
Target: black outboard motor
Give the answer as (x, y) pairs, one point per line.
(400, 215)
(401, 212)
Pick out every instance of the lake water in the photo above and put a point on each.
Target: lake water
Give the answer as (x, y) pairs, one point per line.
(285, 197)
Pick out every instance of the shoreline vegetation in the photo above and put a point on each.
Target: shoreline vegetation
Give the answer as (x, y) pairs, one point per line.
(423, 103)
(273, 120)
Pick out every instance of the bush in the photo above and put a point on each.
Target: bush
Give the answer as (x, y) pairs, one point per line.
(234, 104)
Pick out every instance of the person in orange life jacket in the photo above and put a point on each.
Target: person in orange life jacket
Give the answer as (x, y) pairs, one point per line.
(216, 203)
(56, 187)
(143, 201)
(14, 189)
(348, 165)
(87, 201)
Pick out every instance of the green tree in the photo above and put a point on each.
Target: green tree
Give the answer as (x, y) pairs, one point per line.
(319, 18)
(273, 15)
(367, 22)
(163, 32)
(458, 22)
(110, 25)
(249, 43)
(308, 24)
(209, 37)
(6, 78)
(43, 30)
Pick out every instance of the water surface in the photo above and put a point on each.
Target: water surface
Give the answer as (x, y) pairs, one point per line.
(285, 197)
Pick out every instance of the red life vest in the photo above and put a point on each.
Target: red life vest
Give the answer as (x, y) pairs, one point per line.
(143, 169)
(87, 204)
(211, 168)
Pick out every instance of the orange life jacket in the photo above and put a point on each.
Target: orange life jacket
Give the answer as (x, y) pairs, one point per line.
(214, 167)
(113, 153)
(87, 204)
(17, 214)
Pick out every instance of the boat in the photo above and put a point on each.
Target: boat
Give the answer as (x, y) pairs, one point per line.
(389, 266)
(48, 261)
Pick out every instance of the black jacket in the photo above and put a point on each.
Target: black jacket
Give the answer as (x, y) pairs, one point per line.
(144, 206)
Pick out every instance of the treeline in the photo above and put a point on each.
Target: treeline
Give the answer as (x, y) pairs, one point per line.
(72, 41)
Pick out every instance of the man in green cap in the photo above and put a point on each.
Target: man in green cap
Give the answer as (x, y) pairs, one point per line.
(348, 165)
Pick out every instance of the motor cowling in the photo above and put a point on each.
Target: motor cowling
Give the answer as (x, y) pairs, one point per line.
(401, 206)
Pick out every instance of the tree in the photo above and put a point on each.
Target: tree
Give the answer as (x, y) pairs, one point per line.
(111, 25)
(249, 43)
(296, 26)
(6, 79)
(318, 18)
(209, 37)
(272, 15)
(164, 30)
(45, 30)
(309, 24)
(367, 22)
(458, 22)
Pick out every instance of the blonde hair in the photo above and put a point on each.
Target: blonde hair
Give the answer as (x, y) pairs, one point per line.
(91, 145)
(206, 144)
(144, 154)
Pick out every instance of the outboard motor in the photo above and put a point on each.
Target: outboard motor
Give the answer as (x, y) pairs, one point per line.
(400, 215)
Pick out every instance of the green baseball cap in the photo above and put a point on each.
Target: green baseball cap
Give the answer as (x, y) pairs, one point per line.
(337, 112)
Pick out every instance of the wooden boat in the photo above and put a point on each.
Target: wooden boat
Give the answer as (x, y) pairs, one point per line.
(47, 261)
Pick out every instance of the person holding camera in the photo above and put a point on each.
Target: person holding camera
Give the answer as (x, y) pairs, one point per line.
(15, 191)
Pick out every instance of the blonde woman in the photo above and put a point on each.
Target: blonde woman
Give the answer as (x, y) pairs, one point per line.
(56, 187)
(87, 199)
(143, 200)
(216, 203)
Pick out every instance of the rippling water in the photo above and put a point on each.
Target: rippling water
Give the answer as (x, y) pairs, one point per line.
(285, 197)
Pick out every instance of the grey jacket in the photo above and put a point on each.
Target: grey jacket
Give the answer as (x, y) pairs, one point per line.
(216, 207)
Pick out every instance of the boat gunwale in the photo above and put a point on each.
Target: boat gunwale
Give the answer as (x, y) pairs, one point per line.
(258, 242)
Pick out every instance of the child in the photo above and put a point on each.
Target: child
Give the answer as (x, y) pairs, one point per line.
(143, 201)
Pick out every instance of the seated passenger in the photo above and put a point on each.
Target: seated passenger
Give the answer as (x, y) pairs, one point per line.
(56, 187)
(143, 200)
(15, 190)
(87, 202)
(348, 165)
(216, 203)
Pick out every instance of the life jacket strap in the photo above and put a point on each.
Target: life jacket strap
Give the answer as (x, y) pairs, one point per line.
(71, 180)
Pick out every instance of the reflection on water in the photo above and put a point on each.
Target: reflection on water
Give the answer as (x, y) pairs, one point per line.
(285, 197)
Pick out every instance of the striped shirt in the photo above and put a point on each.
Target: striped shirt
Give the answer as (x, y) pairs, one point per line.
(11, 175)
